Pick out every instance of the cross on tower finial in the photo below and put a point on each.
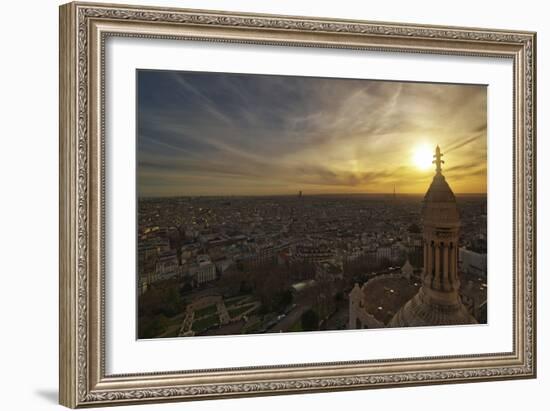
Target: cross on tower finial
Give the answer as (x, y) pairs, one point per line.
(438, 161)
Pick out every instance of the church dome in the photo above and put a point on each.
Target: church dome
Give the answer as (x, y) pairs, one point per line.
(439, 209)
(421, 311)
(438, 301)
(439, 191)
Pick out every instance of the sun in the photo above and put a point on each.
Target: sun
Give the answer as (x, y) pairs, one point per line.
(423, 157)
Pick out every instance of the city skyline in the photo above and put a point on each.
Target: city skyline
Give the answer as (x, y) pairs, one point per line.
(217, 134)
(212, 266)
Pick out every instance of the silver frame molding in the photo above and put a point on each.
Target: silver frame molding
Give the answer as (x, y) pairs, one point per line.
(84, 27)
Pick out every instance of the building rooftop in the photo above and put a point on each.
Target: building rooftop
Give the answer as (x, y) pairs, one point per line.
(385, 295)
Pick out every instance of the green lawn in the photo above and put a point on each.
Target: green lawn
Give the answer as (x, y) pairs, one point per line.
(296, 327)
(239, 310)
(252, 328)
(176, 320)
(236, 300)
(211, 309)
(171, 326)
(171, 331)
(205, 322)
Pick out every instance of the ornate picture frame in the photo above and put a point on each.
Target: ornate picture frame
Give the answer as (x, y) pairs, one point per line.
(84, 29)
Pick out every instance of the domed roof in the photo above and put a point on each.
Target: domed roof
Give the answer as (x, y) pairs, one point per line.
(438, 301)
(439, 207)
(439, 191)
(419, 311)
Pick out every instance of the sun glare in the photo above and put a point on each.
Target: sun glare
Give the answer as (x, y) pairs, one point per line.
(423, 157)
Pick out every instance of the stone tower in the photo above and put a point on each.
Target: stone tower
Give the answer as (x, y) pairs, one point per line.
(438, 301)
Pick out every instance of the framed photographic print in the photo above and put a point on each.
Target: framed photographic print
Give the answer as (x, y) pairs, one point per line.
(259, 204)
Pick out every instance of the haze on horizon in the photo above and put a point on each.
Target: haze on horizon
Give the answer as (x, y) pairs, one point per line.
(217, 134)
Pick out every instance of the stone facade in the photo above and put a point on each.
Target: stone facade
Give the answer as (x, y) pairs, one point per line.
(438, 301)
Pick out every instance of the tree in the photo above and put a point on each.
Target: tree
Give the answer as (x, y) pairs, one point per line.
(302, 270)
(152, 327)
(271, 286)
(285, 299)
(310, 320)
(161, 299)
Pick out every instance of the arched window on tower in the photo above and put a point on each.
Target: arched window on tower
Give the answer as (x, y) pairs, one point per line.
(432, 259)
(451, 262)
(442, 263)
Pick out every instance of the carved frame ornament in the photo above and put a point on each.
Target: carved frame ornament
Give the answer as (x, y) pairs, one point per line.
(83, 30)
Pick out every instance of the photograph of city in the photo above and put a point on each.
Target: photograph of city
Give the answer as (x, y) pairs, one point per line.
(274, 204)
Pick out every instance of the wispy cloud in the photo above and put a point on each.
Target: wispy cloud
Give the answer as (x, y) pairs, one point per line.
(207, 133)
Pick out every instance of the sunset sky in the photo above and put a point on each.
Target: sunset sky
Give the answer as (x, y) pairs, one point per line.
(240, 134)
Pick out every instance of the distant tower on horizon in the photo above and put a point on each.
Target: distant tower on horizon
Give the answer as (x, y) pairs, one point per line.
(300, 194)
(438, 301)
